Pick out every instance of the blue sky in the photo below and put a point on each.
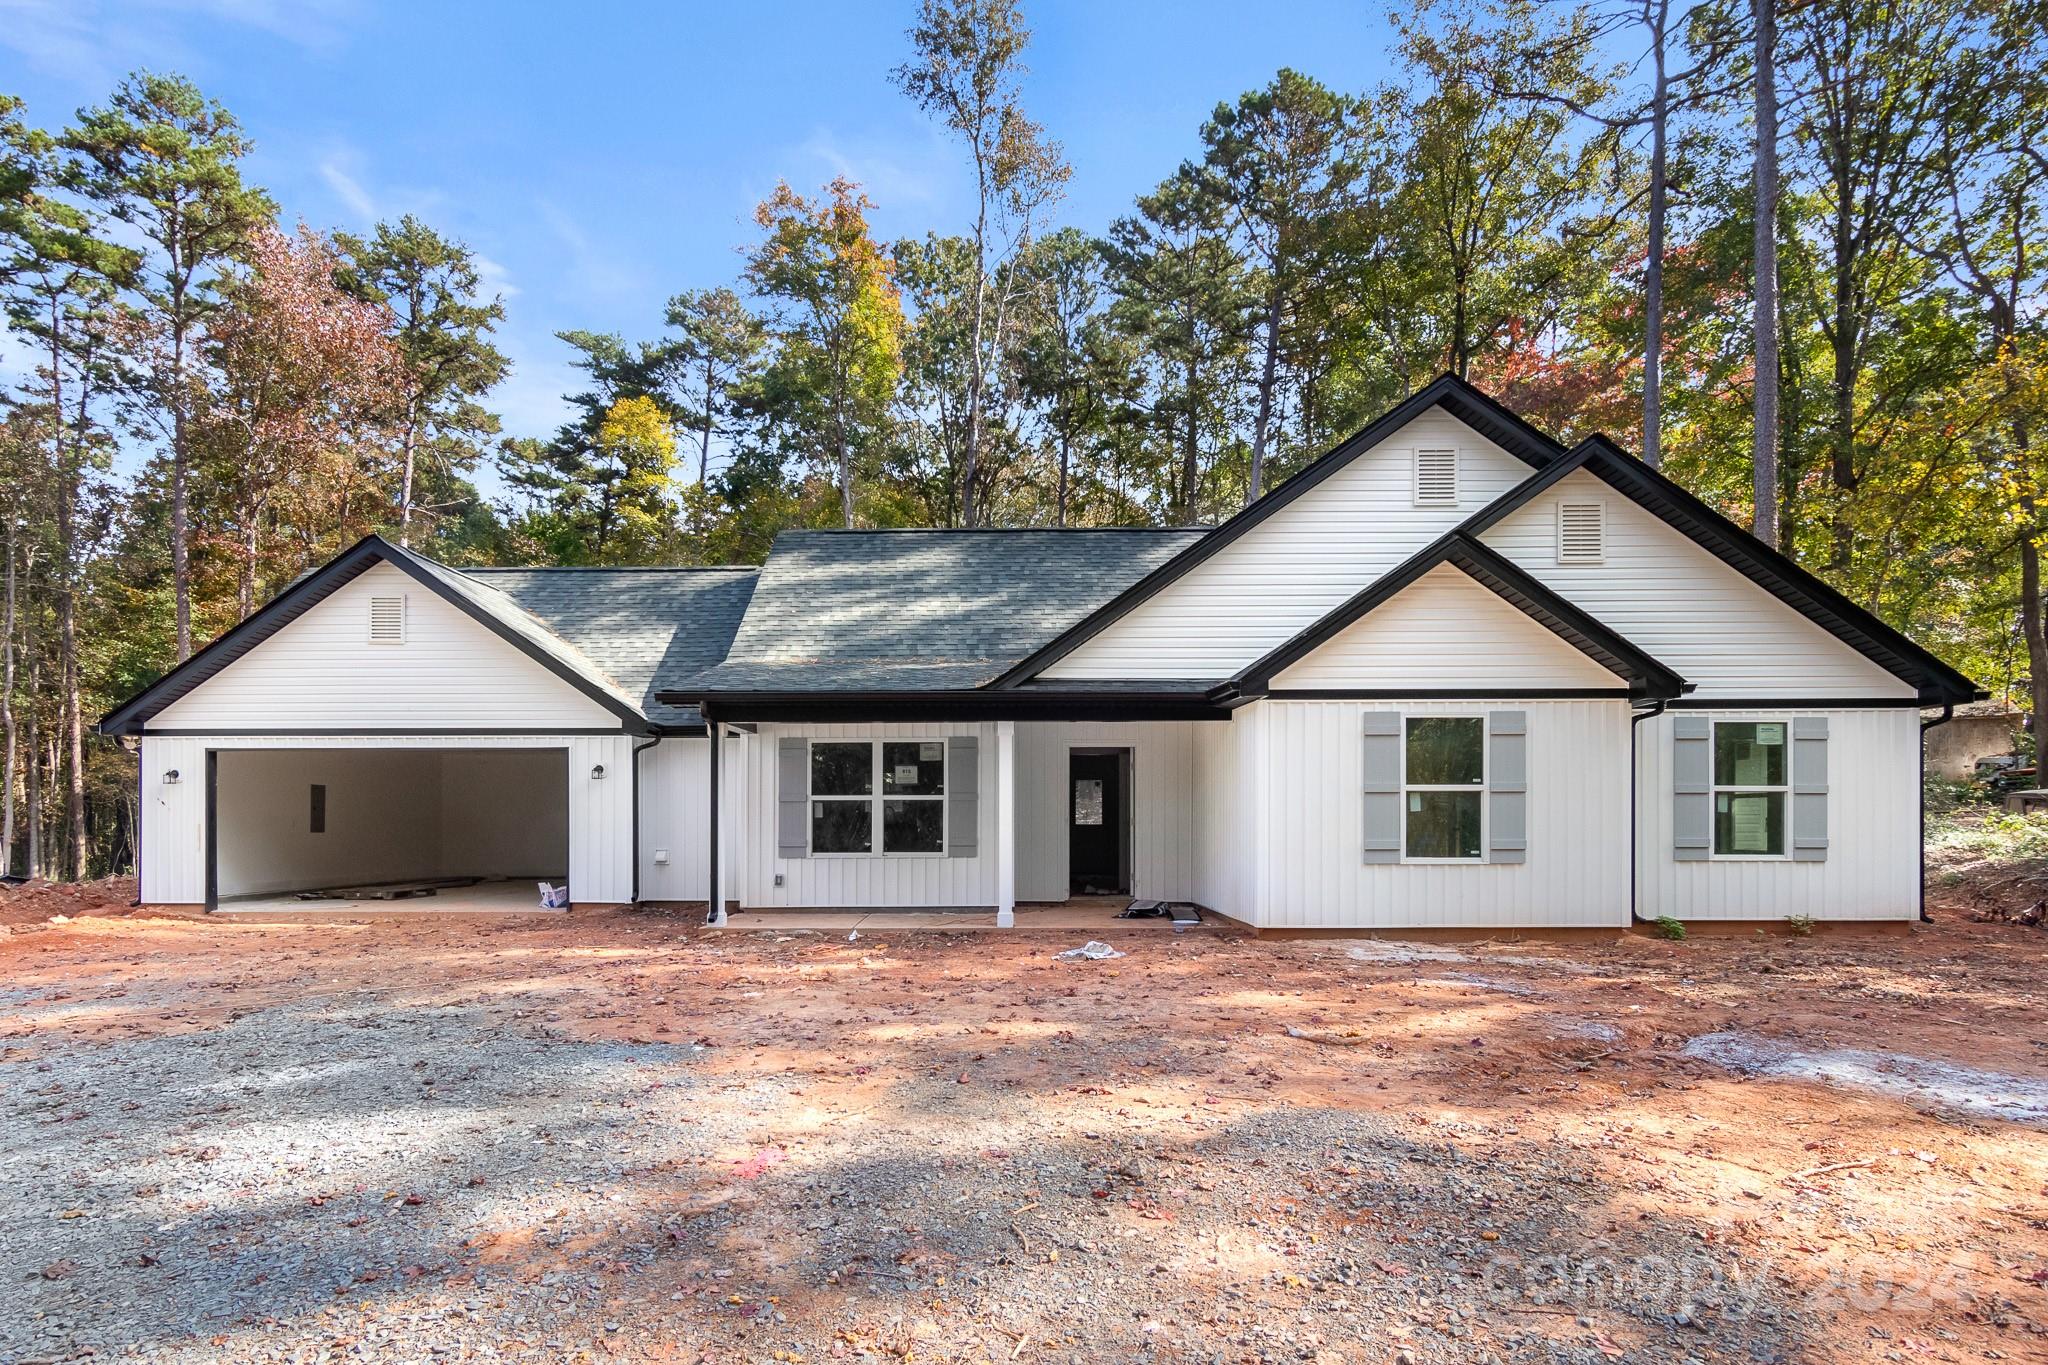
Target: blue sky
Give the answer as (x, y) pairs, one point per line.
(602, 156)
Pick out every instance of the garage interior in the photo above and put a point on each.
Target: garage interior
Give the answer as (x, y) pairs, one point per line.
(480, 827)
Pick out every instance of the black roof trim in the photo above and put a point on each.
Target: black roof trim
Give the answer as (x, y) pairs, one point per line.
(308, 591)
(979, 704)
(1476, 409)
(1892, 649)
(1645, 676)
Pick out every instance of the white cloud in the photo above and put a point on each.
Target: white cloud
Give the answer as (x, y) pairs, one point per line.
(494, 277)
(348, 190)
(92, 44)
(592, 270)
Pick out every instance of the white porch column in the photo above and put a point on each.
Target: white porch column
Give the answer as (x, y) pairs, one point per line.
(1006, 824)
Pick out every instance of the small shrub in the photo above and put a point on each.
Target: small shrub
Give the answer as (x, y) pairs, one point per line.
(1800, 925)
(1667, 927)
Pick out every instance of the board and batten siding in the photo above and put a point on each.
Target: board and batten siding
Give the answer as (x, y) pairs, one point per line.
(1292, 568)
(173, 842)
(1445, 630)
(868, 881)
(320, 672)
(1162, 804)
(1872, 868)
(1305, 791)
(1226, 837)
(675, 816)
(1685, 607)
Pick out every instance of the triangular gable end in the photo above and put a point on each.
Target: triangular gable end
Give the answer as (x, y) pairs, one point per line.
(572, 688)
(1447, 631)
(1490, 422)
(1460, 594)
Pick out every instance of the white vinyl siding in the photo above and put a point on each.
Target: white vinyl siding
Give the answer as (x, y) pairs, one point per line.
(1685, 607)
(600, 809)
(321, 672)
(1305, 794)
(1226, 836)
(1872, 870)
(675, 817)
(1303, 560)
(1445, 630)
(1161, 803)
(876, 882)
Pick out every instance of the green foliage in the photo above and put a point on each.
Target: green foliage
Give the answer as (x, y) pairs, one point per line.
(1669, 928)
(1800, 926)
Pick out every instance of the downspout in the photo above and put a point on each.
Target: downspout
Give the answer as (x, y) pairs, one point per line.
(714, 909)
(633, 769)
(1656, 709)
(136, 833)
(1948, 712)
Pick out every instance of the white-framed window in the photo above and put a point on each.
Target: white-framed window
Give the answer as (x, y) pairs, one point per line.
(387, 620)
(1443, 789)
(1752, 787)
(878, 796)
(1581, 532)
(1436, 476)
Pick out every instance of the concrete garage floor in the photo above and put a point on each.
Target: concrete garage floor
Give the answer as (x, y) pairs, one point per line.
(484, 898)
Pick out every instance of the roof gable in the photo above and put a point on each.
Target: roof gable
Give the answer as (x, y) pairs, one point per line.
(484, 605)
(1474, 409)
(1643, 675)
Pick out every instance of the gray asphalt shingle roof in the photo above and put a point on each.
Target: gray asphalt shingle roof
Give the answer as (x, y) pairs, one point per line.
(923, 610)
(643, 628)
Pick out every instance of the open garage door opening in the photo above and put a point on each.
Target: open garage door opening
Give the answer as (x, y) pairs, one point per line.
(443, 829)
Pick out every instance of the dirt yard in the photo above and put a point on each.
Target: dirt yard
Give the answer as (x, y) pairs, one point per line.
(625, 1137)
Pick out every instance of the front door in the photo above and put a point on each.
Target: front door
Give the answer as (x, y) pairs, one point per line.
(1096, 822)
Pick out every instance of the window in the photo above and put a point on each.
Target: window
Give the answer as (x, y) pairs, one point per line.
(1087, 800)
(387, 620)
(1436, 478)
(1443, 788)
(318, 821)
(1581, 532)
(886, 795)
(1751, 771)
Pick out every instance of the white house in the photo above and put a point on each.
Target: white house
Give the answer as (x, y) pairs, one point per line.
(1450, 674)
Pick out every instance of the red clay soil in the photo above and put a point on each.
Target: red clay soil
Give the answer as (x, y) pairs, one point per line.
(1860, 1146)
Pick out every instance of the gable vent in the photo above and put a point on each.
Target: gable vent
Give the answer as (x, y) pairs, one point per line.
(387, 620)
(1581, 532)
(1436, 478)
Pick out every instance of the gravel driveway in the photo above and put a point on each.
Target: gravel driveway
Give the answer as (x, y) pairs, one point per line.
(668, 1145)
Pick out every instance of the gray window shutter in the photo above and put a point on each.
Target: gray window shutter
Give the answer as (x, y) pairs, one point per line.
(1507, 782)
(1382, 786)
(793, 797)
(1809, 789)
(1692, 788)
(963, 795)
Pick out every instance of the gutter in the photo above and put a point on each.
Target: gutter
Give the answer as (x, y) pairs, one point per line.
(1634, 770)
(1948, 713)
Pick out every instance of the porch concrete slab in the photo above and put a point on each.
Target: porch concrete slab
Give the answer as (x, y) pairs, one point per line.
(1094, 915)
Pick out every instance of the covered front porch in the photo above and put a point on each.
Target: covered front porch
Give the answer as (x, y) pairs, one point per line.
(873, 825)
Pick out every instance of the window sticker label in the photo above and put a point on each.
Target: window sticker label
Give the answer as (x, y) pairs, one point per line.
(926, 753)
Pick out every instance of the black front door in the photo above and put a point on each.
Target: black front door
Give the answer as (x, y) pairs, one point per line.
(1096, 823)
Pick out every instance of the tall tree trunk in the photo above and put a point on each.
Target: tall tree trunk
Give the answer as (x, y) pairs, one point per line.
(1653, 268)
(67, 629)
(35, 780)
(2031, 625)
(1267, 378)
(1066, 461)
(411, 444)
(704, 438)
(1764, 316)
(1190, 456)
(977, 370)
(7, 718)
(1847, 325)
(181, 557)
